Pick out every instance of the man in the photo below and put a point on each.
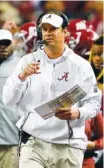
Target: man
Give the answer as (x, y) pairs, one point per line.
(8, 115)
(96, 60)
(41, 76)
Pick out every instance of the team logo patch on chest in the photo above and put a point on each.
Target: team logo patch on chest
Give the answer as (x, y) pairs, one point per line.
(64, 76)
(62, 79)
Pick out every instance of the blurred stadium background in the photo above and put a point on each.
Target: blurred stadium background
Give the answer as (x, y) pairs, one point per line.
(25, 11)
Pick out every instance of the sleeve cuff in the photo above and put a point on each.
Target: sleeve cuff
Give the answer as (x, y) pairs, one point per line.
(18, 84)
(82, 112)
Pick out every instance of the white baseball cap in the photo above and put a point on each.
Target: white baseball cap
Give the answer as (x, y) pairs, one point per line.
(5, 35)
(53, 19)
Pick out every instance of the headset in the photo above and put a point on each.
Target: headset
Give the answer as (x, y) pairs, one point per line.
(59, 13)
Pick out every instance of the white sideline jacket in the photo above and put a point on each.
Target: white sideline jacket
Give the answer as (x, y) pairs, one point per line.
(40, 88)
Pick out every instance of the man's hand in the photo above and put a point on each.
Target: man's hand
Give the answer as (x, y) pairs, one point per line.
(90, 145)
(67, 113)
(11, 26)
(30, 69)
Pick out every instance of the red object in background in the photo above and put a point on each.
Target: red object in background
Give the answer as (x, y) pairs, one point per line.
(94, 127)
(27, 11)
(28, 34)
(80, 36)
(25, 7)
(97, 23)
(26, 28)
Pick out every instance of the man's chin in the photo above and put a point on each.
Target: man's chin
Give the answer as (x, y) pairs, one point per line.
(50, 43)
(97, 67)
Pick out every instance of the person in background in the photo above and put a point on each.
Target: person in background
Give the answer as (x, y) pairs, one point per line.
(94, 127)
(94, 13)
(41, 76)
(25, 38)
(16, 43)
(8, 115)
(96, 60)
(94, 132)
(11, 26)
(10, 13)
(80, 37)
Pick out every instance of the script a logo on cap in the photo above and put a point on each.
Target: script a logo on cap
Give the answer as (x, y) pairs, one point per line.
(49, 16)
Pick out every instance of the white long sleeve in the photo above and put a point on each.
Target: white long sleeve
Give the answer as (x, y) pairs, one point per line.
(43, 87)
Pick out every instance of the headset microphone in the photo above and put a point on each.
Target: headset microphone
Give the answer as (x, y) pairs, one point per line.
(42, 42)
(39, 44)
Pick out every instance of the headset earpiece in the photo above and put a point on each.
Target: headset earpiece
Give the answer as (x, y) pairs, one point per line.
(38, 28)
(65, 19)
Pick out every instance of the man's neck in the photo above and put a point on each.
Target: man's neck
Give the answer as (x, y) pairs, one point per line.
(53, 52)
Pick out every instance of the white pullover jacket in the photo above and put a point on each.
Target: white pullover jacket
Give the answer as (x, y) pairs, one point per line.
(50, 83)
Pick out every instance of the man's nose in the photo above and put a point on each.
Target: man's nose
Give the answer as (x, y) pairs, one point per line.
(97, 57)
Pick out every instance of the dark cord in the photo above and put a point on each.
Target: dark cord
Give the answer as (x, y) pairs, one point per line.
(70, 130)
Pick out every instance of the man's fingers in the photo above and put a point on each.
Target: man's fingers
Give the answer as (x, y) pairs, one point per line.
(60, 110)
(35, 63)
(30, 69)
(63, 116)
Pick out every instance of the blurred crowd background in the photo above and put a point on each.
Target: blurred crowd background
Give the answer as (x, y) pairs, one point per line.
(25, 11)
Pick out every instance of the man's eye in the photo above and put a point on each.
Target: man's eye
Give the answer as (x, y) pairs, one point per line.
(54, 28)
(50, 30)
(44, 29)
(93, 54)
(98, 54)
